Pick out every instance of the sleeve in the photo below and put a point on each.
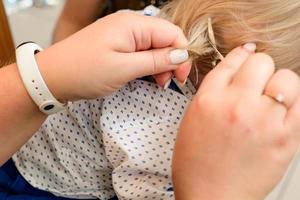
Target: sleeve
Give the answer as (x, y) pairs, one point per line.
(67, 151)
(75, 130)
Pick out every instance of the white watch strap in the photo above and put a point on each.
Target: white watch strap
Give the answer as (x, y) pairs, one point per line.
(33, 79)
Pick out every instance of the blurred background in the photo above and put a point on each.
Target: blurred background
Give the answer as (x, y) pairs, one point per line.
(35, 20)
(32, 19)
(26, 20)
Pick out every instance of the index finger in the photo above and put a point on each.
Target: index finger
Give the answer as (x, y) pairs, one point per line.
(163, 34)
(221, 76)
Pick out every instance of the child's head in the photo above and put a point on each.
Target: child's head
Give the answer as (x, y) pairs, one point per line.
(274, 25)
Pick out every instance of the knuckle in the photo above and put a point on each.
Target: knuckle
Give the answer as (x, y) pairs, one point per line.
(280, 135)
(241, 113)
(160, 59)
(206, 102)
(235, 114)
(284, 149)
(282, 139)
(231, 114)
(165, 58)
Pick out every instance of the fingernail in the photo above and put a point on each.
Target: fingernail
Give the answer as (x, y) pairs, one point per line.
(251, 47)
(181, 84)
(280, 98)
(167, 84)
(178, 56)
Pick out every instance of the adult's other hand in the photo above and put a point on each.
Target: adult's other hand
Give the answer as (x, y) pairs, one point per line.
(240, 132)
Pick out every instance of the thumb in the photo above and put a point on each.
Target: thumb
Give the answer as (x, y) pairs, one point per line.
(152, 62)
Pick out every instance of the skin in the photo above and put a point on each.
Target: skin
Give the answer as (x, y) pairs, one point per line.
(70, 22)
(84, 66)
(234, 139)
(230, 120)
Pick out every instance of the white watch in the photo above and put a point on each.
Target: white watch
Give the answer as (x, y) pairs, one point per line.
(33, 80)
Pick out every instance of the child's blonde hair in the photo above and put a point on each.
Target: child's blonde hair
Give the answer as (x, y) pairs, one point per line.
(274, 25)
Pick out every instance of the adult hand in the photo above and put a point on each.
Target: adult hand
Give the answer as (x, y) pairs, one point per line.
(92, 63)
(235, 142)
(114, 50)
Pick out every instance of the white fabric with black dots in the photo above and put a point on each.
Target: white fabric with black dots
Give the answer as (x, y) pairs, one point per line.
(119, 145)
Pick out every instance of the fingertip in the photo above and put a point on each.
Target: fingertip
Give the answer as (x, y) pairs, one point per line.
(163, 78)
(183, 71)
(167, 84)
(265, 59)
(222, 75)
(251, 47)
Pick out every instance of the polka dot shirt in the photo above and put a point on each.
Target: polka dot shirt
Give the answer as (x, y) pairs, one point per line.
(118, 145)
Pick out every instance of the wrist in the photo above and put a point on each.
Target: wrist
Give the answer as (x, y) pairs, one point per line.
(13, 82)
(20, 117)
(51, 66)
